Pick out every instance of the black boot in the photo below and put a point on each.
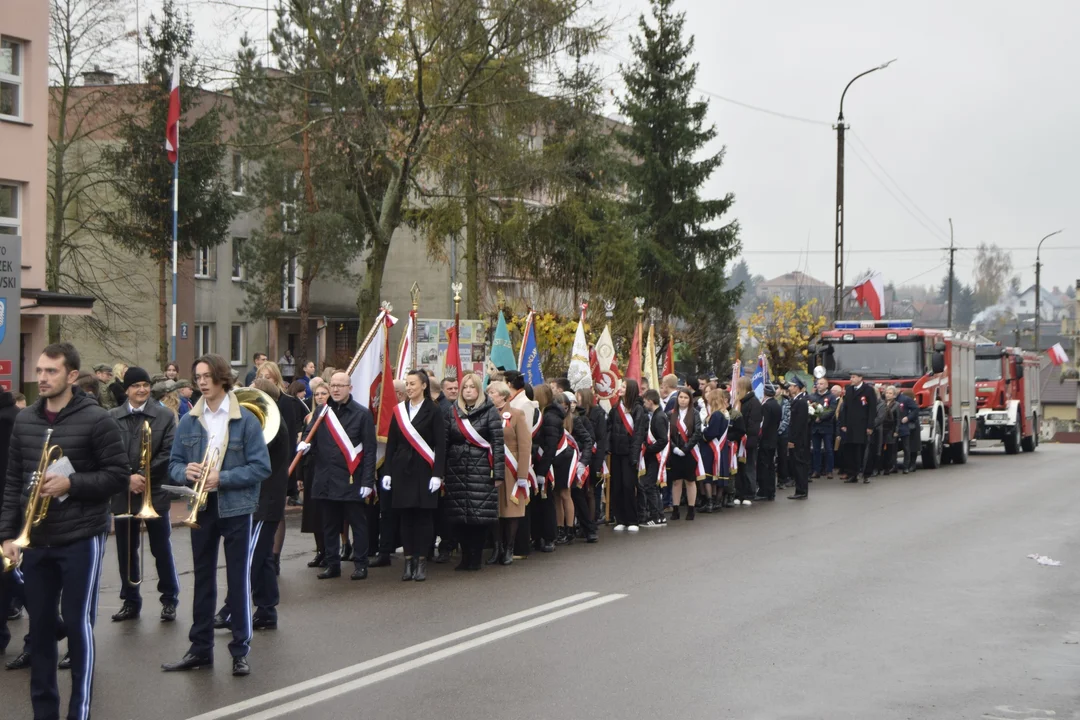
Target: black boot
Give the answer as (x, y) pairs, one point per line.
(496, 554)
(318, 561)
(476, 559)
(560, 536)
(420, 572)
(690, 513)
(675, 513)
(507, 556)
(410, 569)
(568, 536)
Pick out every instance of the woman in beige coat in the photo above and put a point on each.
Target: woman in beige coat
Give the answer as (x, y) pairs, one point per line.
(514, 490)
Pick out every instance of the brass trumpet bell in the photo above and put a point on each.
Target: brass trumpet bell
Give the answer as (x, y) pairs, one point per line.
(264, 408)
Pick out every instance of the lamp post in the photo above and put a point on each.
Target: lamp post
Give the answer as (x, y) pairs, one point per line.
(1038, 286)
(838, 274)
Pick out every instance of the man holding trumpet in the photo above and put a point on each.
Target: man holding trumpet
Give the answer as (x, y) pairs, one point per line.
(135, 418)
(229, 440)
(61, 555)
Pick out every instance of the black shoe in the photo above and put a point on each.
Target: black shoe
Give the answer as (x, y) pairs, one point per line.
(904, 471)
(496, 554)
(568, 536)
(331, 571)
(866, 480)
(21, 662)
(507, 556)
(346, 553)
(380, 561)
(65, 662)
(410, 569)
(127, 612)
(420, 573)
(591, 538)
(222, 622)
(189, 662)
(168, 612)
(263, 622)
(240, 667)
(797, 496)
(560, 536)
(443, 557)
(547, 546)
(690, 512)
(359, 573)
(675, 513)
(277, 564)
(851, 480)
(318, 561)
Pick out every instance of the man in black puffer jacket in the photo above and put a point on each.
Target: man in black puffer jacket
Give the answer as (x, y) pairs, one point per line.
(63, 563)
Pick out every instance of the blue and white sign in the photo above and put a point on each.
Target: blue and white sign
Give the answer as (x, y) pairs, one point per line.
(10, 300)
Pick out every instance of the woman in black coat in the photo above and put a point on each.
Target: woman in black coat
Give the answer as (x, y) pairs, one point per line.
(568, 474)
(587, 500)
(684, 463)
(545, 445)
(474, 463)
(413, 470)
(628, 426)
(311, 518)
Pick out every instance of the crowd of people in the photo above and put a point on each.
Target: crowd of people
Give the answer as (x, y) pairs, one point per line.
(469, 466)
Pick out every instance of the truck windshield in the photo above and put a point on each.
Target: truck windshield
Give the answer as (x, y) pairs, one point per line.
(875, 359)
(987, 368)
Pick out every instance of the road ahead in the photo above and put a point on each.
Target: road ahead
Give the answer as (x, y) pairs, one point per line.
(908, 598)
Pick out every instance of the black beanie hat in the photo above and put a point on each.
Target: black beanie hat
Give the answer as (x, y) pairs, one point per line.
(135, 375)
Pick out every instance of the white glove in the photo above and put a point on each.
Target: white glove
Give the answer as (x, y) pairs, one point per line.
(679, 452)
(302, 447)
(386, 482)
(580, 471)
(365, 492)
(435, 484)
(522, 483)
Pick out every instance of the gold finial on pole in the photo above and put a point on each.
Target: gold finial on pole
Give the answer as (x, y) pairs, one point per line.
(414, 291)
(609, 309)
(500, 299)
(456, 287)
(640, 302)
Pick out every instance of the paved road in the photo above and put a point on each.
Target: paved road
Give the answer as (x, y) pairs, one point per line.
(909, 598)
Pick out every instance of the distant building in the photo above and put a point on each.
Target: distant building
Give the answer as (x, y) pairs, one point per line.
(798, 287)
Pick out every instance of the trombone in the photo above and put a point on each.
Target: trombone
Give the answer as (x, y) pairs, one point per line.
(146, 512)
(37, 505)
(198, 501)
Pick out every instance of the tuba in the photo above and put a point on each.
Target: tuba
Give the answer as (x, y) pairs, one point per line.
(37, 506)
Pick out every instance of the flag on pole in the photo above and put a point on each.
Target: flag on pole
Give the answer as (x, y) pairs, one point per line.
(529, 357)
(502, 352)
(579, 373)
(760, 377)
(633, 365)
(1057, 354)
(650, 360)
(404, 359)
(669, 357)
(373, 374)
(172, 125)
(736, 373)
(870, 291)
(606, 373)
(453, 355)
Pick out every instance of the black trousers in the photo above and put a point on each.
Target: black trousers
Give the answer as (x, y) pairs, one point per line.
(914, 447)
(336, 515)
(873, 453)
(523, 533)
(69, 577)
(888, 456)
(544, 523)
(766, 471)
(856, 456)
(389, 523)
(623, 488)
(128, 538)
(11, 596)
(783, 460)
(448, 539)
(750, 475)
(264, 585)
(472, 537)
(580, 496)
(648, 496)
(236, 533)
(800, 467)
(417, 531)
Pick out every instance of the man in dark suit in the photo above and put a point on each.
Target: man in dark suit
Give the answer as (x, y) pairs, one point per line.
(857, 422)
(771, 414)
(799, 439)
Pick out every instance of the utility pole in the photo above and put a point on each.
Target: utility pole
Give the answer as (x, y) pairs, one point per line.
(952, 260)
(1038, 286)
(838, 265)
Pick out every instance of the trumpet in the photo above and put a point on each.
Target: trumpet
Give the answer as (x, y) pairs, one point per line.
(37, 506)
(147, 511)
(198, 501)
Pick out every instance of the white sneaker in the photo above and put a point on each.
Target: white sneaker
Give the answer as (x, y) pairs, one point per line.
(633, 528)
(619, 528)
(745, 502)
(737, 502)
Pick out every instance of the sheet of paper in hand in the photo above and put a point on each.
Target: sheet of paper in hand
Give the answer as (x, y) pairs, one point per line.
(63, 467)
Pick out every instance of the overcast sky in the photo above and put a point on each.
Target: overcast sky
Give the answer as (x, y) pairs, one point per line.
(978, 120)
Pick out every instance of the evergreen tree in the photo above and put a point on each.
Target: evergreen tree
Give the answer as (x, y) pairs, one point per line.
(682, 248)
(143, 175)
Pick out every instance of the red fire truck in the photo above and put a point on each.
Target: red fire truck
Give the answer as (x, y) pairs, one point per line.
(1007, 389)
(937, 365)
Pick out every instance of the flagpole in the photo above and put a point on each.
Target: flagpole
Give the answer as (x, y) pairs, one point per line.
(175, 209)
(415, 292)
(383, 312)
(456, 287)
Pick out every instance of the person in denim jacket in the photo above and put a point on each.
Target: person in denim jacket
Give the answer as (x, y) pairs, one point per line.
(244, 463)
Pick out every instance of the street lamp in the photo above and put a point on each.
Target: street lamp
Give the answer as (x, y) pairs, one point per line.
(1038, 285)
(838, 277)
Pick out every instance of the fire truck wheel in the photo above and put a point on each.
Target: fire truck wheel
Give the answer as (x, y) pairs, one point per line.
(1030, 443)
(961, 449)
(931, 454)
(1012, 440)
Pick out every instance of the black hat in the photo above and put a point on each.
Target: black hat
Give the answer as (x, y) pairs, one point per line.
(135, 375)
(770, 390)
(797, 382)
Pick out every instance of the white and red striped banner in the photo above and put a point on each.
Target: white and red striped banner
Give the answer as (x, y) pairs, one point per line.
(419, 444)
(699, 468)
(473, 436)
(405, 350)
(354, 454)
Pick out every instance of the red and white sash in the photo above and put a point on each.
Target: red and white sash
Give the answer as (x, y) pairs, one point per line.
(354, 454)
(661, 457)
(627, 420)
(419, 444)
(718, 446)
(699, 466)
(473, 437)
(535, 431)
(513, 491)
(567, 441)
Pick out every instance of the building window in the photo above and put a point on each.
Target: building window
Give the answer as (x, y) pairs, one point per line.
(290, 287)
(239, 171)
(11, 62)
(288, 206)
(1023, 303)
(204, 262)
(237, 259)
(204, 339)
(9, 210)
(236, 344)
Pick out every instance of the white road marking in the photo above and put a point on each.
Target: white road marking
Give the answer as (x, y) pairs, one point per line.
(360, 683)
(348, 672)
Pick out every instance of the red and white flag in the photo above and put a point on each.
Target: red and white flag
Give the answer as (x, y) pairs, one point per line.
(606, 371)
(453, 355)
(579, 373)
(172, 125)
(405, 350)
(1057, 354)
(871, 293)
(372, 376)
